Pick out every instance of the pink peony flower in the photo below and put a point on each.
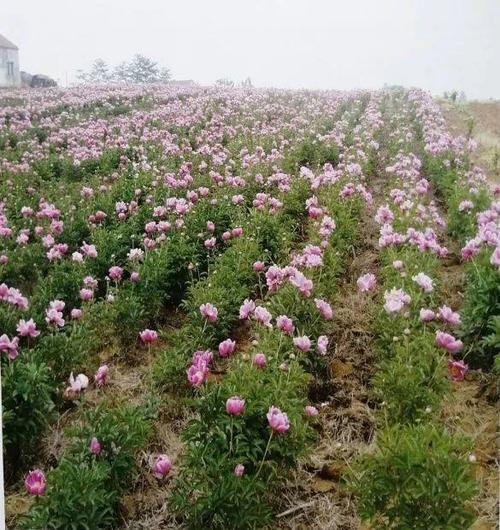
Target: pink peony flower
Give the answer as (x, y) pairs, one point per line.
(227, 347)
(448, 342)
(457, 370)
(285, 324)
(423, 281)
(239, 470)
(302, 283)
(274, 276)
(495, 257)
(209, 312)
(198, 371)
(246, 308)
(262, 315)
(115, 273)
(367, 282)
(395, 300)
(324, 308)
(134, 276)
(310, 411)
(162, 466)
(35, 482)
(27, 328)
(148, 336)
(235, 406)
(259, 266)
(426, 315)
(259, 360)
(278, 421)
(77, 257)
(95, 446)
(54, 318)
(86, 294)
(76, 385)
(302, 343)
(9, 346)
(90, 282)
(76, 314)
(446, 314)
(196, 376)
(101, 375)
(210, 243)
(322, 344)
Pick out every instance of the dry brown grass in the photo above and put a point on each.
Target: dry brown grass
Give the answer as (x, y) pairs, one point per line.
(467, 412)
(485, 116)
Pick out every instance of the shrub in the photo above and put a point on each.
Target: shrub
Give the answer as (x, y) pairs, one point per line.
(209, 495)
(84, 489)
(66, 350)
(410, 380)
(418, 478)
(63, 282)
(77, 497)
(481, 306)
(27, 400)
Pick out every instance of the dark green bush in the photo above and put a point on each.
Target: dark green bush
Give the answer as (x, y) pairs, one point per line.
(84, 489)
(481, 306)
(412, 379)
(418, 478)
(27, 401)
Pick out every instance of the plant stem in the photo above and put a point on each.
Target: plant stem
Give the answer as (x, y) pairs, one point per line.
(231, 438)
(265, 454)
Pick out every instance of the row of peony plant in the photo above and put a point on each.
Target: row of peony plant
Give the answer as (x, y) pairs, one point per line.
(254, 421)
(253, 424)
(419, 475)
(474, 220)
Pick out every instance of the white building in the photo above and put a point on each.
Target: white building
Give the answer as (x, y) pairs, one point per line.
(9, 64)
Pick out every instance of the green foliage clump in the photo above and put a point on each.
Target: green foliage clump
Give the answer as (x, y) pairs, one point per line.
(480, 312)
(311, 153)
(84, 489)
(418, 478)
(411, 381)
(27, 401)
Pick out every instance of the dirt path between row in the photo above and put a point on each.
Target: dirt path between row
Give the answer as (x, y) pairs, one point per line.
(314, 497)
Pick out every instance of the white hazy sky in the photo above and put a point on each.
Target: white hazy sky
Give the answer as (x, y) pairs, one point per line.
(435, 44)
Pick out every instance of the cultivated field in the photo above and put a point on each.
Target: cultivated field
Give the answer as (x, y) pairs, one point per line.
(226, 308)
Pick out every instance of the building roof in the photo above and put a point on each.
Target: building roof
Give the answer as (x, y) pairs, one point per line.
(5, 43)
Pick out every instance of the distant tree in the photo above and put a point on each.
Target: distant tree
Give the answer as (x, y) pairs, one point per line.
(164, 76)
(121, 73)
(140, 69)
(225, 82)
(247, 83)
(98, 74)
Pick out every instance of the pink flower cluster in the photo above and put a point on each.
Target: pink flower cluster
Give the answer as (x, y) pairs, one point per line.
(199, 369)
